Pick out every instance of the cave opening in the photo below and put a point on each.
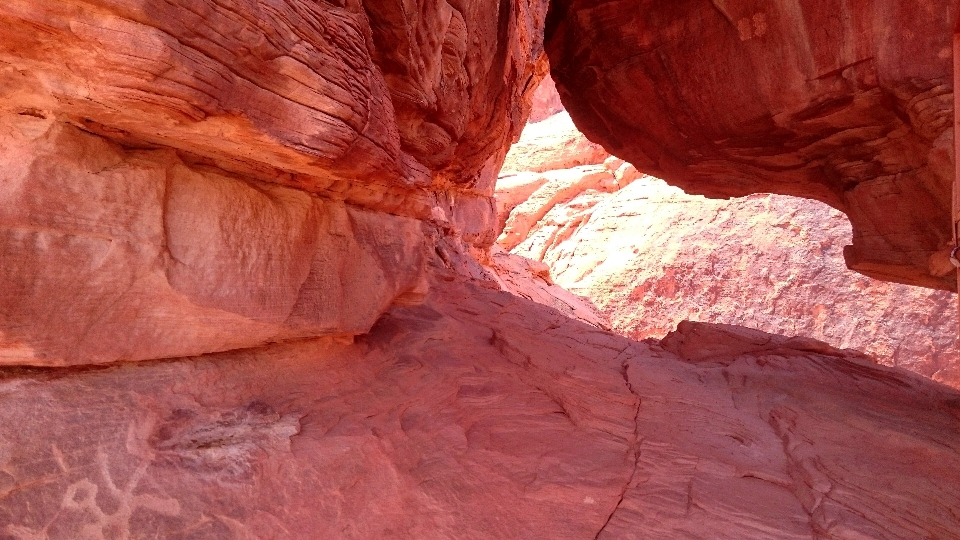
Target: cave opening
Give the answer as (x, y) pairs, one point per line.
(639, 256)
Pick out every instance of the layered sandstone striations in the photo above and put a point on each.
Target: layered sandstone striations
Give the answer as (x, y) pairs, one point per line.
(849, 103)
(194, 176)
(483, 415)
(382, 97)
(649, 256)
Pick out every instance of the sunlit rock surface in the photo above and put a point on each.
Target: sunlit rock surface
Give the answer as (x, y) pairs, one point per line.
(648, 256)
(849, 102)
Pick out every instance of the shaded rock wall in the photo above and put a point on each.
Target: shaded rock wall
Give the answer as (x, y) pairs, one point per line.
(194, 176)
(312, 94)
(847, 102)
(649, 256)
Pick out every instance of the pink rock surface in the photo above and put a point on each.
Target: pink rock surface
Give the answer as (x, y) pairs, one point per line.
(482, 415)
(373, 102)
(849, 102)
(553, 143)
(649, 256)
(546, 101)
(194, 176)
(115, 254)
(530, 279)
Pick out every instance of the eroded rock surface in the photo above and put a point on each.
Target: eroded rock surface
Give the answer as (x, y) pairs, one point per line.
(546, 101)
(114, 254)
(484, 415)
(550, 144)
(368, 101)
(194, 176)
(649, 256)
(846, 102)
(191, 181)
(531, 279)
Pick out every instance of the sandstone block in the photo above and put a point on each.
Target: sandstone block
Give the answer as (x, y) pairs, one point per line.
(114, 254)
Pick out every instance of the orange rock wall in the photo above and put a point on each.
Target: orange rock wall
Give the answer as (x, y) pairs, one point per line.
(332, 98)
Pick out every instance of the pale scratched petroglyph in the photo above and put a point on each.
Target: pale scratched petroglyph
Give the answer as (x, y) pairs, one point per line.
(223, 444)
(752, 27)
(81, 496)
(58, 457)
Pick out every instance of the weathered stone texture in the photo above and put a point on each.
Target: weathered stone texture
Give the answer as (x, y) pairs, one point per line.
(382, 104)
(279, 201)
(113, 254)
(482, 415)
(195, 176)
(551, 144)
(849, 102)
(648, 256)
(546, 102)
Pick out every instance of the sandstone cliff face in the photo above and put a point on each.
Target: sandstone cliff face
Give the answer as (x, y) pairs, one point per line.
(648, 256)
(194, 176)
(846, 102)
(483, 415)
(546, 101)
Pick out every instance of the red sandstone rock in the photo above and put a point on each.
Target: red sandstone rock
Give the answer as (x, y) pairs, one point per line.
(648, 257)
(161, 162)
(530, 279)
(849, 103)
(482, 415)
(546, 101)
(113, 254)
(160, 167)
(554, 143)
(559, 186)
(379, 104)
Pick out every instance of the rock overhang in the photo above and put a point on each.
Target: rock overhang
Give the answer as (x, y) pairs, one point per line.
(190, 177)
(849, 103)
